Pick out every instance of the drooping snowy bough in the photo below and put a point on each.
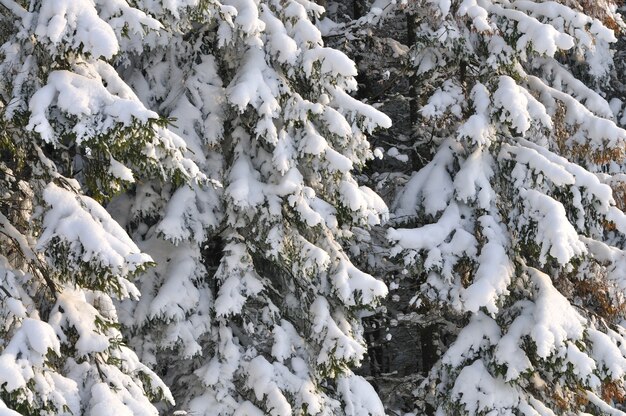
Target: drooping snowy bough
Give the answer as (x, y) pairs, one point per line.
(512, 225)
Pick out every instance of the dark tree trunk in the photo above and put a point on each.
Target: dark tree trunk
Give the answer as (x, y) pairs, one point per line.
(411, 38)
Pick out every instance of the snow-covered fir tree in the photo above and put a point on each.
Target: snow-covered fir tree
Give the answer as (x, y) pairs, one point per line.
(253, 307)
(511, 226)
(72, 135)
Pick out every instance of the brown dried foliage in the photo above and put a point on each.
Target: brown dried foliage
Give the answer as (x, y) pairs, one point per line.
(597, 293)
(619, 194)
(601, 10)
(570, 400)
(613, 390)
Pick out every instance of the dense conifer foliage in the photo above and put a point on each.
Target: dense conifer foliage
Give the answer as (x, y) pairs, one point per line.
(205, 208)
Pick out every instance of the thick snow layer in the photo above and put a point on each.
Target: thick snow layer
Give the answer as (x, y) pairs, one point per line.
(495, 270)
(555, 234)
(332, 62)
(479, 391)
(240, 283)
(350, 283)
(472, 182)
(334, 331)
(90, 233)
(607, 353)
(73, 310)
(478, 126)
(346, 103)
(431, 186)
(479, 16)
(363, 200)
(255, 85)
(613, 257)
(189, 213)
(592, 129)
(520, 109)
(78, 23)
(359, 396)
(447, 98)
(564, 79)
(588, 182)
(603, 406)
(555, 319)
(260, 380)
(120, 171)
(244, 186)
(430, 235)
(481, 333)
(555, 172)
(97, 108)
(28, 347)
(131, 25)
(543, 38)
(287, 196)
(279, 43)
(550, 321)
(116, 392)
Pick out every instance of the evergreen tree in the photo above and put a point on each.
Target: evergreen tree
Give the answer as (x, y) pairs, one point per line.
(254, 305)
(511, 226)
(72, 135)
